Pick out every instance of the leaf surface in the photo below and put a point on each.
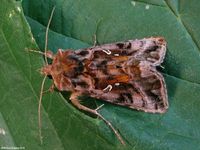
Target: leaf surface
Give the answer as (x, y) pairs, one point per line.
(73, 26)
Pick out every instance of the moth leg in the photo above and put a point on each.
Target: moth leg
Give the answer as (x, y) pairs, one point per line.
(76, 103)
(39, 109)
(51, 89)
(46, 34)
(99, 107)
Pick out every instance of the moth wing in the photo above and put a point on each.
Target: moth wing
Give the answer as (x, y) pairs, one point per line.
(152, 49)
(148, 49)
(144, 91)
(152, 88)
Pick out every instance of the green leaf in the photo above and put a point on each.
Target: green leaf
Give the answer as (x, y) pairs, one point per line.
(20, 83)
(73, 26)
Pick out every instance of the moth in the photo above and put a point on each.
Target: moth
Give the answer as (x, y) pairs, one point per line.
(122, 73)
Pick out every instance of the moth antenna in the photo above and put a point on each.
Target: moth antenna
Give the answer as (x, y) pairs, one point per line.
(39, 109)
(46, 34)
(48, 54)
(43, 81)
(99, 107)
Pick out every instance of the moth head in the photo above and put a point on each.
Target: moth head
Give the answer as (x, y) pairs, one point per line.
(46, 70)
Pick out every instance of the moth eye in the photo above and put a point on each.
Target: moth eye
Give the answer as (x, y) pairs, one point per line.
(49, 76)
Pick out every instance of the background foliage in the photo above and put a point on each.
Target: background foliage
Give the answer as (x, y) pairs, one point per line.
(73, 26)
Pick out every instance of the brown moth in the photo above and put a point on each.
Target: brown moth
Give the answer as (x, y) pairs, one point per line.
(122, 73)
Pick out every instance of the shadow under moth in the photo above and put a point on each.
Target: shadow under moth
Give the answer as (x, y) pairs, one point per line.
(122, 73)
